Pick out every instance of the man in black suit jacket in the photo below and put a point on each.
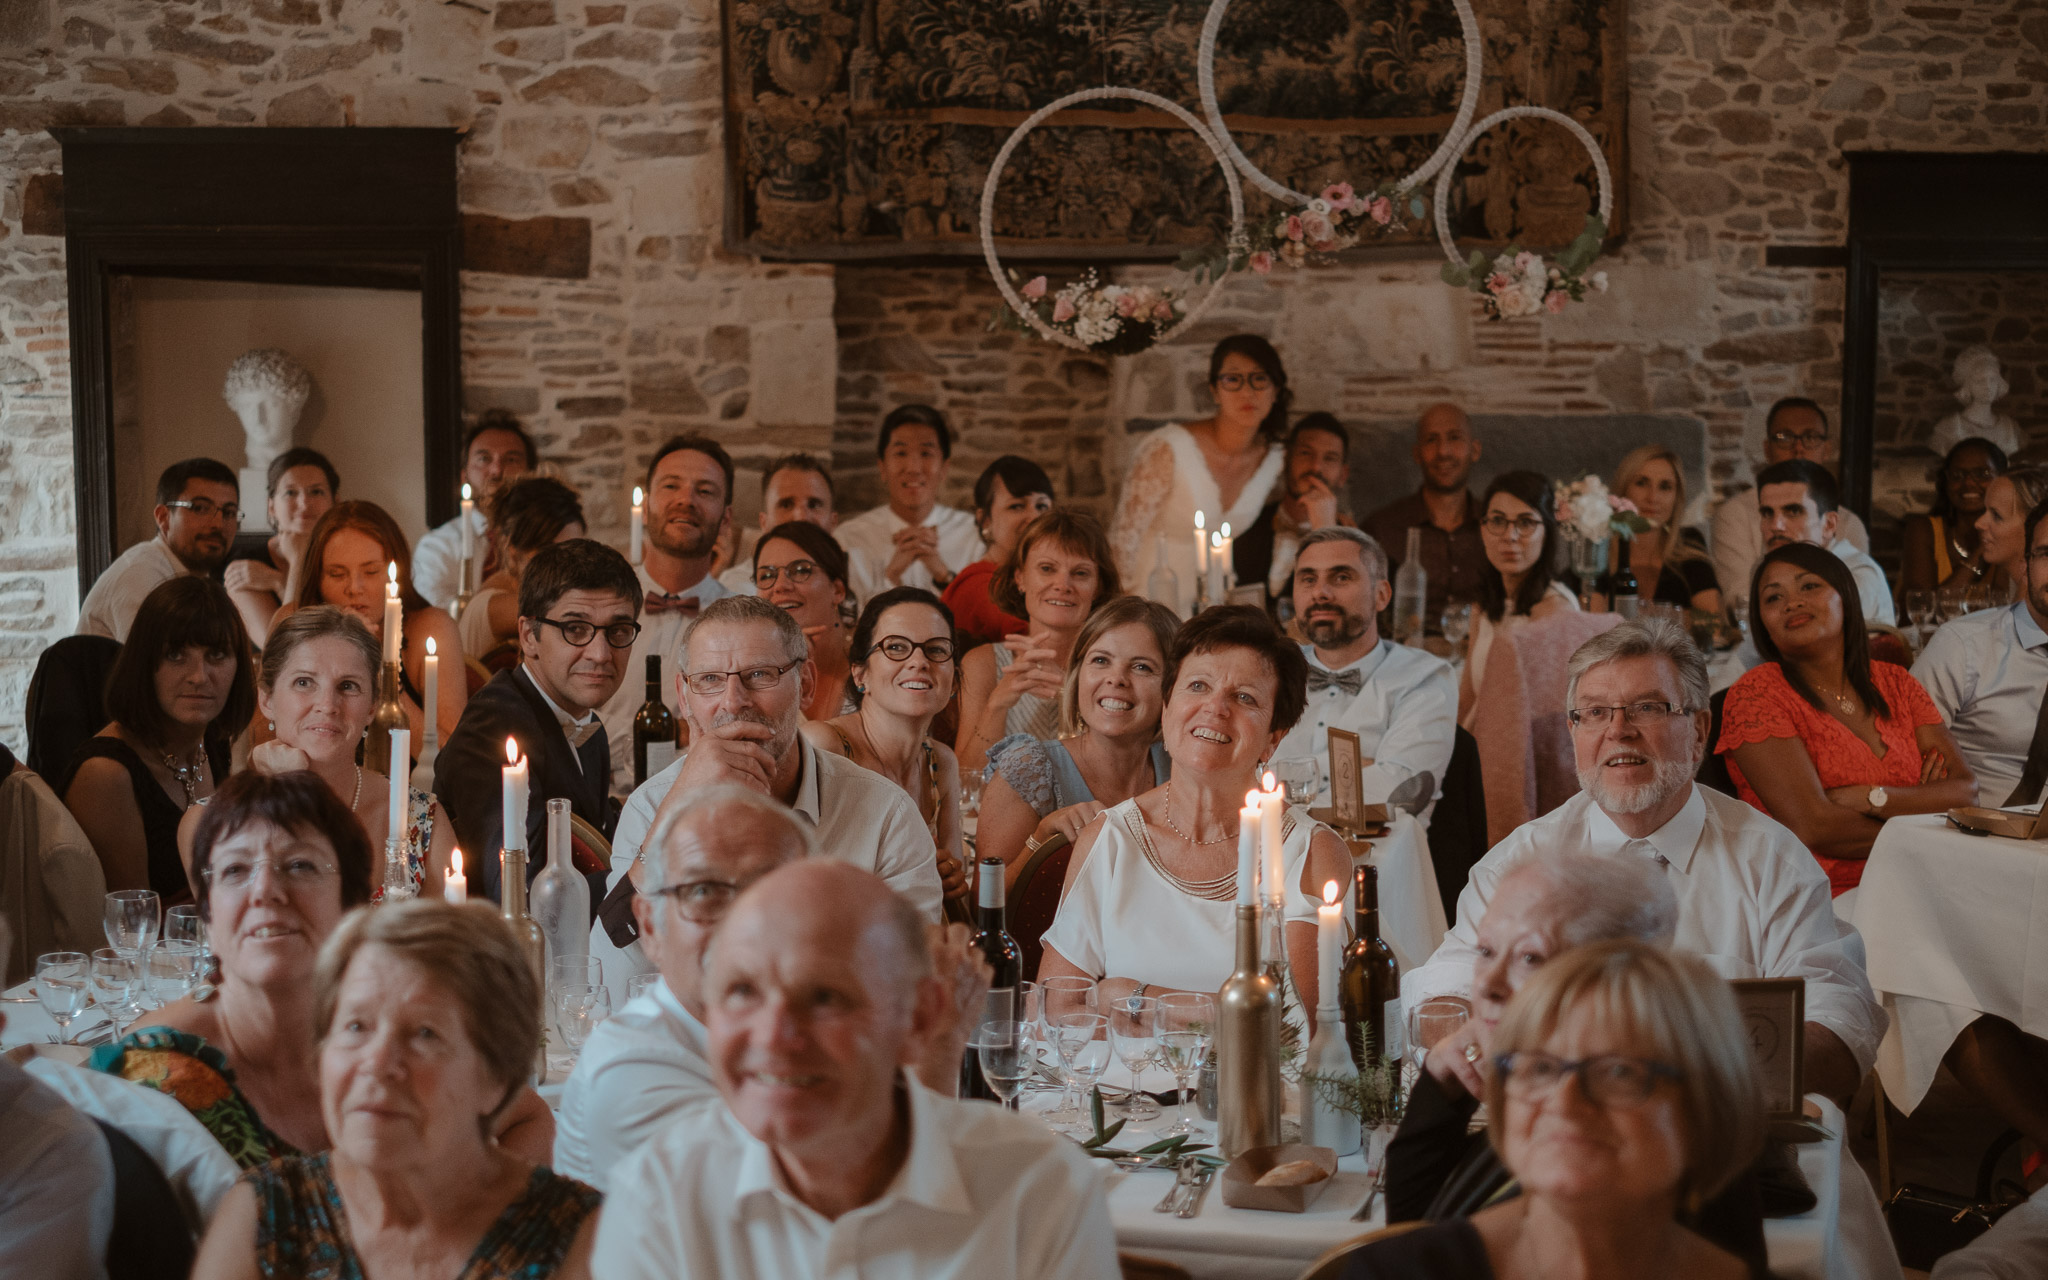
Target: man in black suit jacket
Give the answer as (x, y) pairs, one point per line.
(579, 602)
(1318, 470)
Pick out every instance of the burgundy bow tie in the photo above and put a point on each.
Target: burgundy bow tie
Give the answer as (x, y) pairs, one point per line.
(660, 603)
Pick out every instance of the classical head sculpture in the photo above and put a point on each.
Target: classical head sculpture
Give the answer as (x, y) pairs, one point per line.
(1979, 382)
(267, 389)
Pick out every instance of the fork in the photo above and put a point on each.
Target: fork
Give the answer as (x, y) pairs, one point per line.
(1180, 1183)
(1191, 1200)
(1372, 1195)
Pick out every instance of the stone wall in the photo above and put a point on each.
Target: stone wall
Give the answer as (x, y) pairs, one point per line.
(1924, 321)
(606, 117)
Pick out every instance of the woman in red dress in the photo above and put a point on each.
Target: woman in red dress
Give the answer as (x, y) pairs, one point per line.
(1822, 738)
(1011, 493)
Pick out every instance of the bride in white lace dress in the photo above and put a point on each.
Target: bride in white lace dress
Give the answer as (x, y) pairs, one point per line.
(1224, 466)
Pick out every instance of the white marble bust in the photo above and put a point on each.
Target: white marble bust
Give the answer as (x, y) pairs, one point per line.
(1979, 384)
(267, 390)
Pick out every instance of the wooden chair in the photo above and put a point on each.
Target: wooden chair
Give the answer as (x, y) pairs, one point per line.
(1331, 1264)
(1889, 644)
(1136, 1266)
(1035, 899)
(475, 674)
(588, 848)
(502, 658)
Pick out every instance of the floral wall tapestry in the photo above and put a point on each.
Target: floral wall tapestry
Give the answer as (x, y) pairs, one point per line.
(864, 128)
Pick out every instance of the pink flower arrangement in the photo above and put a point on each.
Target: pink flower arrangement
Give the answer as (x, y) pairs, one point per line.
(1555, 302)
(1380, 210)
(1338, 196)
(1262, 262)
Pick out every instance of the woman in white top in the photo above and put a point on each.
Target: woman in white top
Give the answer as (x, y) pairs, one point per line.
(1519, 580)
(1224, 466)
(1151, 888)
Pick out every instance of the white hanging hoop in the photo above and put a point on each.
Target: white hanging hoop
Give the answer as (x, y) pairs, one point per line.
(1017, 304)
(1452, 145)
(1592, 146)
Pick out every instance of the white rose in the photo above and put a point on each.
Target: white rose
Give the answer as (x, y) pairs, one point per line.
(1319, 206)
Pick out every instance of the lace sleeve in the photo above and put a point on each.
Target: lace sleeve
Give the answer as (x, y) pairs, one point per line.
(1145, 490)
(1909, 698)
(1020, 759)
(1759, 706)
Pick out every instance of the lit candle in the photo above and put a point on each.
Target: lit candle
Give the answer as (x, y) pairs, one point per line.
(639, 524)
(431, 695)
(1201, 546)
(1218, 551)
(394, 617)
(1329, 945)
(1223, 559)
(1271, 803)
(515, 796)
(1248, 850)
(468, 531)
(457, 886)
(401, 773)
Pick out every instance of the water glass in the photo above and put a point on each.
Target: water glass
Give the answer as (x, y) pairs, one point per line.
(115, 978)
(1432, 1020)
(1301, 777)
(1058, 997)
(1949, 602)
(1920, 608)
(579, 1008)
(1457, 624)
(133, 918)
(970, 793)
(171, 970)
(1134, 1034)
(638, 984)
(182, 924)
(64, 985)
(1030, 1003)
(1007, 1051)
(1083, 1044)
(1186, 1020)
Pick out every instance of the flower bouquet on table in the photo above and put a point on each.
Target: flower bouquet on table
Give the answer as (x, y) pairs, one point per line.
(1519, 283)
(1112, 319)
(1588, 515)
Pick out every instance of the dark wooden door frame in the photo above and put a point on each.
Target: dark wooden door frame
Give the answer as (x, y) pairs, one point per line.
(269, 205)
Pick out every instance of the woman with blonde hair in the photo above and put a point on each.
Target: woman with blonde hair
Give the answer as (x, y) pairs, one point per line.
(1670, 561)
(2002, 529)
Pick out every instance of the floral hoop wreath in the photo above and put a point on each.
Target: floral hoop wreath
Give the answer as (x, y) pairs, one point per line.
(1515, 282)
(1089, 287)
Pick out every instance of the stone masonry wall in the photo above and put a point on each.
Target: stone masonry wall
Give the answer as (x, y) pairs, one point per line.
(1925, 321)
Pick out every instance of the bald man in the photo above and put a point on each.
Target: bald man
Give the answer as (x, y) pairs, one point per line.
(829, 1157)
(1443, 509)
(648, 1066)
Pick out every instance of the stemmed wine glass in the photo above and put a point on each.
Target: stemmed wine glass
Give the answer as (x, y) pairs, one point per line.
(1920, 608)
(1457, 624)
(579, 1008)
(1006, 1049)
(1056, 998)
(115, 980)
(64, 985)
(1301, 777)
(1083, 1042)
(1134, 1032)
(1186, 1020)
(132, 921)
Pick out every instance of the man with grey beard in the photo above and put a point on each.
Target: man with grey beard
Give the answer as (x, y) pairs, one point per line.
(1752, 902)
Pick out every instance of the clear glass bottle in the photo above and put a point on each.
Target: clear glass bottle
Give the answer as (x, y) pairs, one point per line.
(559, 894)
(1163, 587)
(1411, 593)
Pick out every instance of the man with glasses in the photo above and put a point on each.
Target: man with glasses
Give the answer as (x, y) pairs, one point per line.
(1444, 509)
(689, 497)
(197, 516)
(796, 486)
(1797, 428)
(578, 607)
(1752, 902)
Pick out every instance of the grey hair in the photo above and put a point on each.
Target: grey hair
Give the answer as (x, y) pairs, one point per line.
(1369, 549)
(315, 623)
(267, 370)
(723, 795)
(1645, 638)
(1607, 898)
(752, 609)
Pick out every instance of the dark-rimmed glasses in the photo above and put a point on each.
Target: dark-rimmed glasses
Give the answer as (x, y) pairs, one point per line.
(1520, 527)
(1804, 439)
(1239, 381)
(710, 684)
(938, 651)
(799, 572)
(1608, 1080)
(205, 510)
(700, 901)
(1645, 714)
(579, 632)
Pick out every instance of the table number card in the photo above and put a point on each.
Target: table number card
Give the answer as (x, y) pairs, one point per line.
(1347, 795)
(1774, 1018)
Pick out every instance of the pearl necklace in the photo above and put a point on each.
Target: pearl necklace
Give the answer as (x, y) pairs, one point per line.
(1166, 816)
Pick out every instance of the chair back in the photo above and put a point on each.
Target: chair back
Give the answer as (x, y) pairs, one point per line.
(588, 848)
(1332, 1264)
(67, 701)
(1136, 1266)
(476, 675)
(150, 1238)
(1457, 830)
(1525, 748)
(504, 657)
(1034, 900)
(1888, 644)
(1713, 771)
(52, 887)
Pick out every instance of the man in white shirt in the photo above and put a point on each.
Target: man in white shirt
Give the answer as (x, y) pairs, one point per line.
(797, 486)
(689, 496)
(1795, 427)
(1752, 902)
(748, 735)
(197, 513)
(1797, 502)
(915, 541)
(1402, 702)
(496, 452)
(829, 1158)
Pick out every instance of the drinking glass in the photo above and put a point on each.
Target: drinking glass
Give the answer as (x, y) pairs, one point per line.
(637, 985)
(970, 793)
(1432, 1020)
(1082, 1041)
(1186, 1020)
(1061, 996)
(1030, 1003)
(133, 917)
(170, 970)
(64, 985)
(1949, 602)
(1457, 624)
(1920, 608)
(1134, 1033)
(114, 980)
(1976, 595)
(182, 924)
(579, 1008)
(1006, 1053)
(1301, 777)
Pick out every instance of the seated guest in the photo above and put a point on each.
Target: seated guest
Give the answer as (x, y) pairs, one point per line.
(427, 1017)
(689, 489)
(2001, 531)
(303, 485)
(820, 975)
(1796, 503)
(2015, 1248)
(1152, 887)
(1520, 580)
(1446, 449)
(1402, 702)
(1011, 493)
(1944, 545)
(800, 569)
(904, 662)
(1060, 572)
(796, 486)
(1670, 562)
(1108, 749)
(648, 1065)
(348, 563)
(1663, 1111)
(1822, 738)
(197, 514)
(912, 539)
(1751, 901)
(181, 689)
(578, 601)
(530, 515)
(1794, 428)
(495, 452)
(314, 692)
(1313, 485)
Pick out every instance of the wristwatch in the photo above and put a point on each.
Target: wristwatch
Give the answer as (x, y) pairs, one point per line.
(1877, 798)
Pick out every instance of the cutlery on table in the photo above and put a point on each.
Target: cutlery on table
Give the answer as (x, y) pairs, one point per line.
(1372, 1195)
(1167, 1204)
(1191, 1199)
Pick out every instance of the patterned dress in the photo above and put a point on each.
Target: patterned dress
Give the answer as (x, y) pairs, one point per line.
(302, 1225)
(189, 1069)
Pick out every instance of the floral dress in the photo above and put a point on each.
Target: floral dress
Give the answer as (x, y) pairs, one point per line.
(189, 1069)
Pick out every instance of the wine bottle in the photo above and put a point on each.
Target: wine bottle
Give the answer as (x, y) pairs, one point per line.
(560, 895)
(1006, 960)
(386, 715)
(1411, 593)
(1247, 1048)
(1163, 587)
(654, 728)
(1370, 986)
(1624, 597)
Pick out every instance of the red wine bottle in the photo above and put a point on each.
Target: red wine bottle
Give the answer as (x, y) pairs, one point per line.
(992, 938)
(654, 728)
(1369, 985)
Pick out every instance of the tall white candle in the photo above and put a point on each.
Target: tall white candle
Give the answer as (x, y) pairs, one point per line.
(1271, 804)
(1224, 567)
(431, 694)
(468, 532)
(1248, 850)
(515, 796)
(1329, 945)
(456, 888)
(394, 615)
(639, 523)
(401, 773)
(1219, 552)
(1201, 546)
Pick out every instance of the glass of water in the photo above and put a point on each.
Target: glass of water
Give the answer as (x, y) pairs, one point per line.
(1006, 1050)
(579, 1008)
(64, 985)
(1457, 624)
(115, 978)
(1134, 1034)
(637, 985)
(1301, 777)
(171, 970)
(1083, 1043)
(1186, 1021)
(133, 918)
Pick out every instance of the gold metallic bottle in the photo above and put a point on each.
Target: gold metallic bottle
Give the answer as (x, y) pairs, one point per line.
(1247, 1048)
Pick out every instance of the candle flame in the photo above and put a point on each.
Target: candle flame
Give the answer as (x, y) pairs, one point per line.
(1215, 542)
(1270, 784)
(511, 751)
(1330, 893)
(638, 497)
(430, 646)
(1200, 523)
(465, 493)
(391, 585)
(1226, 528)
(1251, 798)
(455, 859)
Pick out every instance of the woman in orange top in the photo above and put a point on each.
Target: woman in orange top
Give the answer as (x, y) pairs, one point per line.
(1822, 738)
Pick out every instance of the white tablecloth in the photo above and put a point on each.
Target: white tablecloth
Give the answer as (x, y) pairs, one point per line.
(1956, 926)
(1411, 909)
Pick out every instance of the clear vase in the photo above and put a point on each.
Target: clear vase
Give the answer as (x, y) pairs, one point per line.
(1589, 561)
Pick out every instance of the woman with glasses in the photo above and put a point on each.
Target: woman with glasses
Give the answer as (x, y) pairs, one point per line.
(1223, 467)
(1945, 546)
(1670, 562)
(801, 569)
(1823, 738)
(181, 690)
(533, 512)
(302, 488)
(1011, 493)
(1621, 1096)
(1520, 580)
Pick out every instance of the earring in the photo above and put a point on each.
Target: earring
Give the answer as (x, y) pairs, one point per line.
(860, 688)
(272, 724)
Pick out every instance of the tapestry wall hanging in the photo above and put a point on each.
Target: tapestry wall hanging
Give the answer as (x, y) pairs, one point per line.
(864, 129)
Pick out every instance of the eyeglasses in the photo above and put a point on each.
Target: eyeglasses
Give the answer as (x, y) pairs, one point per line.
(1519, 527)
(1610, 1080)
(205, 510)
(710, 684)
(799, 572)
(700, 901)
(1982, 475)
(1239, 381)
(898, 649)
(1645, 714)
(298, 871)
(619, 635)
(1804, 439)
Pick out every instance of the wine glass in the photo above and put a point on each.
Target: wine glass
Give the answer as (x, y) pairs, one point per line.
(64, 985)
(1006, 1052)
(579, 1008)
(114, 980)
(1301, 777)
(1457, 624)
(133, 917)
(1186, 1021)
(1949, 602)
(1977, 595)
(1082, 1041)
(1058, 996)
(1134, 1033)
(970, 793)
(1920, 608)
(637, 985)
(182, 924)
(170, 970)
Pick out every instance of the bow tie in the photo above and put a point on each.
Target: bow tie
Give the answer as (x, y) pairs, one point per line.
(657, 602)
(582, 733)
(1349, 681)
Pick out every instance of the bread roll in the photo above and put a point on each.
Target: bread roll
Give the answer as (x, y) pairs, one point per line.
(1295, 1173)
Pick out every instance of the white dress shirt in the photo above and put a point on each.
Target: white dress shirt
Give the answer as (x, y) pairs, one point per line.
(109, 608)
(1870, 582)
(437, 557)
(1405, 716)
(191, 1159)
(1738, 536)
(1986, 671)
(1752, 903)
(661, 634)
(56, 1185)
(642, 1069)
(872, 534)
(982, 1195)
